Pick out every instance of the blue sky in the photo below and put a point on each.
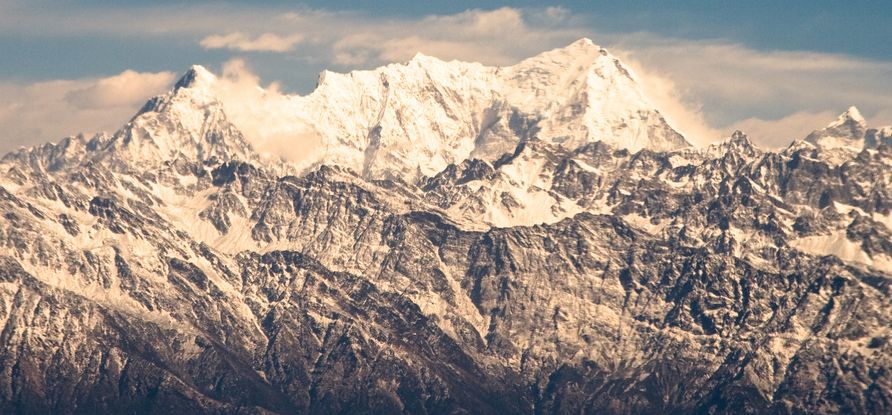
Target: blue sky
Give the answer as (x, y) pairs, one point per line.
(857, 28)
(774, 69)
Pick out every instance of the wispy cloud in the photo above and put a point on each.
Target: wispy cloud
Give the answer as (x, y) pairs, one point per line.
(264, 114)
(682, 113)
(127, 89)
(265, 42)
(49, 111)
(496, 37)
(772, 95)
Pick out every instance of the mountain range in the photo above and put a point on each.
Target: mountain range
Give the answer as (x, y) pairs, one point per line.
(456, 239)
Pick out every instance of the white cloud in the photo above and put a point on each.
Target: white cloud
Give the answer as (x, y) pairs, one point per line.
(361, 50)
(682, 115)
(266, 42)
(768, 94)
(265, 115)
(48, 111)
(126, 89)
(495, 37)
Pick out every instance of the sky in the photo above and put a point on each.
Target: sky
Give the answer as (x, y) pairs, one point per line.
(776, 70)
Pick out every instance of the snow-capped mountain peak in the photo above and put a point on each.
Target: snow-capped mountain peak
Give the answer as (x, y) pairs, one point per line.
(420, 58)
(847, 131)
(196, 77)
(582, 93)
(852, 115)
(739, 143)
(413, 119)
(188, 121)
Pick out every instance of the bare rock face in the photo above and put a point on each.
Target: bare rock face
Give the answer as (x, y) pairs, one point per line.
(875, 137)
(169, 268)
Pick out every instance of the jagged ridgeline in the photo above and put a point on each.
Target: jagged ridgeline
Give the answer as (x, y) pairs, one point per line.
(465, 239)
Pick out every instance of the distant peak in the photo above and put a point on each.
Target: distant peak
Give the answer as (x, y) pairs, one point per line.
(579, 48)
(851, 119)
(197, 75)
(195, 82)
(847, 131)
(584, 42)
(741, 140)
(739, 143)
(586, 46)
(420, 59)
(740, 137)
(851, 115)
